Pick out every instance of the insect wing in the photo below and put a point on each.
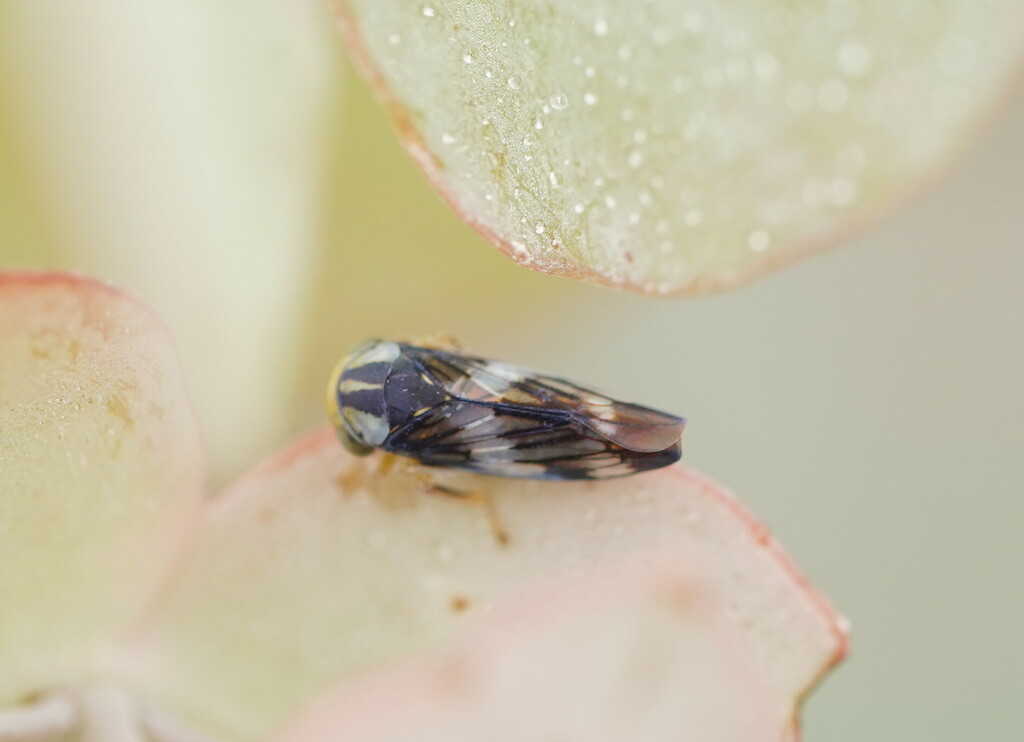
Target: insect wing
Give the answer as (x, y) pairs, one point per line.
(511, 443)
(627, 425)
(502, 420)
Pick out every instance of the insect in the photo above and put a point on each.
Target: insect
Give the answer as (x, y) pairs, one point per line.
(451, 410)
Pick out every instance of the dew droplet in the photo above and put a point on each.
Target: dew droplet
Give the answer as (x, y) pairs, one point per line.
(515, 81)
(736, 69)
(428, 11)
(693, 21)
(559, 101)
(759, 240)
(589, 98)
(766, 66)
(851, 160)
(601, 26)
(842, 191)
(854, 59)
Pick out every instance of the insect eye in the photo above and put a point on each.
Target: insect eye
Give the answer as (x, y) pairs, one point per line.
(349, 434)
(368, 429)
(351, 423)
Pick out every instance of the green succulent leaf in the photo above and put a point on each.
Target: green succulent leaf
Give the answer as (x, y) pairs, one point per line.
(670, 145)
(101, 474)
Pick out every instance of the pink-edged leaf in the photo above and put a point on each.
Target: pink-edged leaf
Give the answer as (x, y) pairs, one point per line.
(100, 473)
(647, 654)
(315, 569)
(669, 147)
(184, 162)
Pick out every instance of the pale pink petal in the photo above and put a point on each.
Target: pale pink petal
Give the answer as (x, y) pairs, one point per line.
(302, 579)
(645, 655)
(100, 472)
(668, 147)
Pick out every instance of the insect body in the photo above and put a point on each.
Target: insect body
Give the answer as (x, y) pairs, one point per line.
(451, 410)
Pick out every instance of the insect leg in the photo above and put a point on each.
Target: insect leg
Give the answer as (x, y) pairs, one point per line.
(357, 474)
(387, 463)
(478, 497)
(353, 476)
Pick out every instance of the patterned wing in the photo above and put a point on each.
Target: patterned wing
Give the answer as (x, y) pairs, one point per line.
(502, 420)
(628, 425)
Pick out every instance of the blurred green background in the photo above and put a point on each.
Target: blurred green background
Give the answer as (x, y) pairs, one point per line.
(866, 404)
